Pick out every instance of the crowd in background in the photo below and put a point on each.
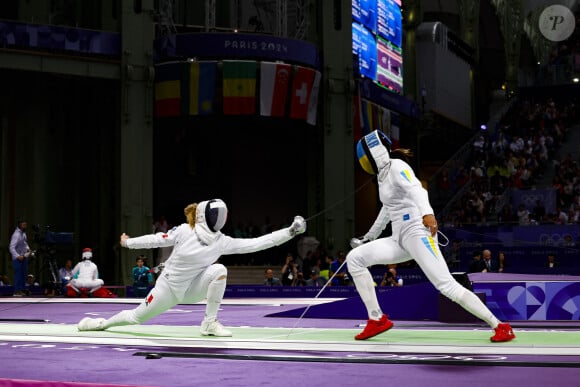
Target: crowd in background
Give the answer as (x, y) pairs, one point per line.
(518, 155)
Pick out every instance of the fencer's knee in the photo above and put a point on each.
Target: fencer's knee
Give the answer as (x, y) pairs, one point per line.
(451, 289)
(355, 262)
(220, 272)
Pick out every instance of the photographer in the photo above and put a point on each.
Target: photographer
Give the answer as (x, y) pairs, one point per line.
(289, 270)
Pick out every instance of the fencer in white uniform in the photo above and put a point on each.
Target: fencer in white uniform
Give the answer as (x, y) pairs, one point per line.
(191, 273)
(405, 204)
(85, 274)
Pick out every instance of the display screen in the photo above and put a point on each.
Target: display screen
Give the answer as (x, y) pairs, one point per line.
(377, 38)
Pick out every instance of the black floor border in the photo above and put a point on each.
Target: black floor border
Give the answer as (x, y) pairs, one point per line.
(418, 358)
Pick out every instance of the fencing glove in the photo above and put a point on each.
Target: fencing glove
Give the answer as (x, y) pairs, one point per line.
(356, 242)
(298, 226)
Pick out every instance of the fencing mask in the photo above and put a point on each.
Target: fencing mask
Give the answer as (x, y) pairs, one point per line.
(213, 213)
(372, 151)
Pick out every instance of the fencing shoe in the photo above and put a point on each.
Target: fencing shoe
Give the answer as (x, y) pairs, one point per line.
(214, 328)
(91, 324)
(503, 332)
(375, 327)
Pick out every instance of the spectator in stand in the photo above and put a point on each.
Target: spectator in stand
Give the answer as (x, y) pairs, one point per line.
(490, 265)
(315, 280)
(476, 265)
(4, 280)
(560, 217)
(567, 241)
(538, 214)
(523, 215)
(552, 263)
(574, 214)
(31, 284)
(66, 274)
(502, 262)
(452, 254)
(341, 278)
(506, 215)
(142, 277)
(557, 184)
(299, 281)
(270, 280)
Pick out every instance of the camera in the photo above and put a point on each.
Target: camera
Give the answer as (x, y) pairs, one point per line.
(46, 250)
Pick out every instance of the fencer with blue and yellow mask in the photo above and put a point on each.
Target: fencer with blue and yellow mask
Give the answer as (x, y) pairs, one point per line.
(405, 204)
(372, 151)
(401, 193)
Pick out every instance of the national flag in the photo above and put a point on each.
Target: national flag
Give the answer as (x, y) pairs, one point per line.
(357, 117)
(239, 87)
(274, 81)
(168, 89)
(313, 102)
(202, 79)
(395, 129)
(369, 112)
(385, 119)
(302, 84)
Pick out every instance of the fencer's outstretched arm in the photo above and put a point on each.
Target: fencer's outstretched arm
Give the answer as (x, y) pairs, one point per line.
(250, 245)
(149, 241)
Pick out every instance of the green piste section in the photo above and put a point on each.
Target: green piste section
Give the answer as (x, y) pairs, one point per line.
(411, 337)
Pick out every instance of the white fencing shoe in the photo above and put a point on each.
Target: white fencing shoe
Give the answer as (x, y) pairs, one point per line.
(214, 328)
(91, 324)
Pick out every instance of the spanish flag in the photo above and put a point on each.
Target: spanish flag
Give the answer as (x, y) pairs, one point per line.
(239, 87)
(168, 89)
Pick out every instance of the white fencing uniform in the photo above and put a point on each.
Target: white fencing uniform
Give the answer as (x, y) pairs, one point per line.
(191, 273)
(405, 202)
(88, 276)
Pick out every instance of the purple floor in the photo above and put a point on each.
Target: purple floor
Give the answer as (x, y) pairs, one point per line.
(53, 364)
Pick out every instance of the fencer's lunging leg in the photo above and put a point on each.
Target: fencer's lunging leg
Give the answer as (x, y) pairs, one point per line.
(363, 281)
(468, 300)
(159, 300)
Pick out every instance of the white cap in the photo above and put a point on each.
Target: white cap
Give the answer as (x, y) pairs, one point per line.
(87, 253)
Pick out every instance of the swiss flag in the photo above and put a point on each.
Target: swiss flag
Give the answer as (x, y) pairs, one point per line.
(302, 85)
(274, 82)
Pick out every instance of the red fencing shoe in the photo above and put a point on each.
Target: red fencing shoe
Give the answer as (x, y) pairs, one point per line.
(503, 332)
(375, 327)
